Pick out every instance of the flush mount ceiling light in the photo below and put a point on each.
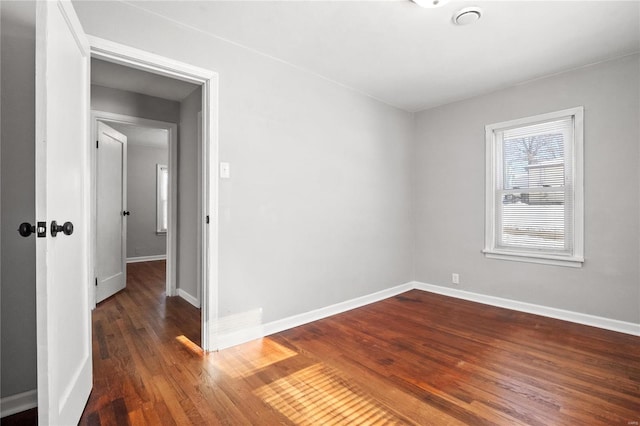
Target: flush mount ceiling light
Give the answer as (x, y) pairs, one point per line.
(467, 16)
(430, 3)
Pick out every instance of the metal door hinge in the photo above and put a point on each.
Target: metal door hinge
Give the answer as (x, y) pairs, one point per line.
(97, 144)
(207, 219)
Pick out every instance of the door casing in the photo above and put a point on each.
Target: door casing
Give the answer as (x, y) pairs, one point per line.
(135, 58)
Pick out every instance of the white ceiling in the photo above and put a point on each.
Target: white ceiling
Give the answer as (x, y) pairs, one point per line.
(143, 136)
(116, 76)
(415, 58)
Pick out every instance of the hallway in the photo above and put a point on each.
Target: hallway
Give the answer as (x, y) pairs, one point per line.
(139, 334)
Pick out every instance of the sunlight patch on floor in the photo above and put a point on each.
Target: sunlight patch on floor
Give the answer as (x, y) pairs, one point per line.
(192, 347)
(317, 395)
(246, 359)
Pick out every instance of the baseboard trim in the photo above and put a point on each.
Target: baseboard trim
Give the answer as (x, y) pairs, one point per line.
(227, 340)
(246, 334)
(238, 337)
(571, 316)
(19, 402)
(337, 308)
(189, 298)
(146, 258)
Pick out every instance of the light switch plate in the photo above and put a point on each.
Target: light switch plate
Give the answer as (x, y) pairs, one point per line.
(225, 171)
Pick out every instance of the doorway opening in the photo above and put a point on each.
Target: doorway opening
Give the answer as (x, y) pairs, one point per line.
(199, 288)
(146, 215)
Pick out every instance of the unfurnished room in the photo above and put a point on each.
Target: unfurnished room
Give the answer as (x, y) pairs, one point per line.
(421, 212)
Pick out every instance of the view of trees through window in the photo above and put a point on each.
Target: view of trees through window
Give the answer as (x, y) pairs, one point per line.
(521, 155)
(533, 179)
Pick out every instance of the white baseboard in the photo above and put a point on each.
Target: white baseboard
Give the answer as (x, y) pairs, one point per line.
(225, 340)
(576, 317)
(189, 298)
(238, 337)
(247, 333)
(19, 402)
(146, 258)
(307, 317)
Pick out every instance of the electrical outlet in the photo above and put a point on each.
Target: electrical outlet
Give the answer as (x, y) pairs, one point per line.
(455, 278)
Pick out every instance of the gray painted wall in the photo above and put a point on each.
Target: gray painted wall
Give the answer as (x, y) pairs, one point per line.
(188, 158)
(17, 181)
(134, 104)
(449, 168)
(142, 239)
(318, 207)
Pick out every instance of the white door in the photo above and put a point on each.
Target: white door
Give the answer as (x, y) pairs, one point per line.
(111, 212)
(62, 188)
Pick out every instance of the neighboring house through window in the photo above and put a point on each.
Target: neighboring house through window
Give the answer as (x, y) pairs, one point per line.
(534, 195)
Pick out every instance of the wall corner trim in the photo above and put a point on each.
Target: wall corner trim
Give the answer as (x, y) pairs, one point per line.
(222, 341)
(19, 402)
(561, 314)
(189, 298)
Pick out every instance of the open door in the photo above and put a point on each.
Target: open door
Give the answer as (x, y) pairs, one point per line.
(62, 188)
(111, 257)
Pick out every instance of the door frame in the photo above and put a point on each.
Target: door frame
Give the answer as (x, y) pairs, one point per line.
(172, 240)
(139, 59)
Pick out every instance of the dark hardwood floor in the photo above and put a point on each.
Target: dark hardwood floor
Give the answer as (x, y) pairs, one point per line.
(417, 358)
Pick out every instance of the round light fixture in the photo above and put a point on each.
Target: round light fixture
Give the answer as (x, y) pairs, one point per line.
(430, 3)
(467, 16)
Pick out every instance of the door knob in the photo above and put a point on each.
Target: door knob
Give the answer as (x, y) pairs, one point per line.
(66, 228)
(126, 213)
(26, 229)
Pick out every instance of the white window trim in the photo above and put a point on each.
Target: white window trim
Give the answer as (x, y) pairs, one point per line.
(576, 259)
(159, 218)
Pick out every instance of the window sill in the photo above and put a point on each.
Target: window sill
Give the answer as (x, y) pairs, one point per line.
(545, 259)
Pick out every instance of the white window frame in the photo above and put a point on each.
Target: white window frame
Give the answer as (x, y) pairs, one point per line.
(160, 169)
(574, 191)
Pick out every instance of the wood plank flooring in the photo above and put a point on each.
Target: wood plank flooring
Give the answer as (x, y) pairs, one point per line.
(417, 358)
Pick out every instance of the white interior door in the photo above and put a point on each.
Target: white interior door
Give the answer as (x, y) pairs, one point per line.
(62, 188)
(111, 212)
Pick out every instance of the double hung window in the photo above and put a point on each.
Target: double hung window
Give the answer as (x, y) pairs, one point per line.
(534, 203)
